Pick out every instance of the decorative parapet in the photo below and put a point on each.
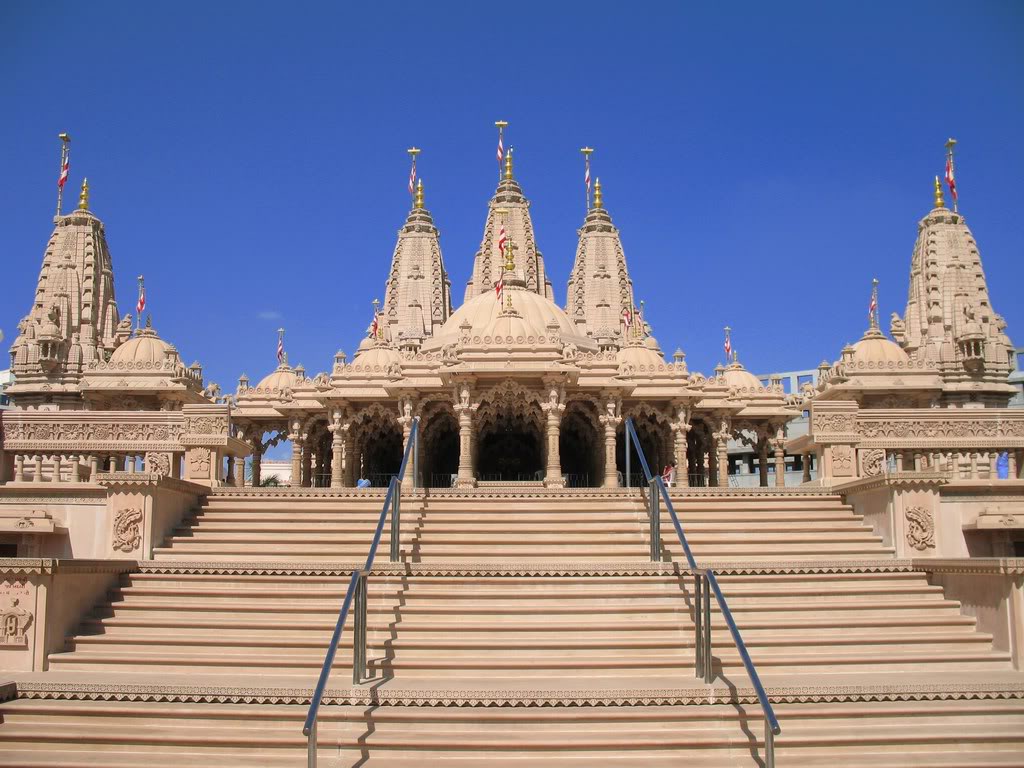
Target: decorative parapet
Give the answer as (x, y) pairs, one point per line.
(943, 428)
(1003, 566)
(91, 431)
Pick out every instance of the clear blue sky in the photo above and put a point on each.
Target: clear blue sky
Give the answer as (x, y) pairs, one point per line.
(763, 160)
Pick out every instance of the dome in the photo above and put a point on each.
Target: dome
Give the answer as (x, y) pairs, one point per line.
(736, 375)
(370, 356)
(641, 356)
(144, 347)
(481, 313)
(875, 348)
(282, 377)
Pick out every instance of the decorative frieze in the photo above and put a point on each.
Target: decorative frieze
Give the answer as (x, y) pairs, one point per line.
(127, 529)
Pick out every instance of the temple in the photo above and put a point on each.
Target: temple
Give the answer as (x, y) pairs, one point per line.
(538, 563)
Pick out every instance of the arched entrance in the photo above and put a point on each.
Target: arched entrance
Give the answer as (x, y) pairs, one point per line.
(510, 445)
(580, 445)
(439, 446)
(652, 428)
(379, 445)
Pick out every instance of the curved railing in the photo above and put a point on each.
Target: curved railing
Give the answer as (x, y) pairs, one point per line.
(706, 584)
(357, 593)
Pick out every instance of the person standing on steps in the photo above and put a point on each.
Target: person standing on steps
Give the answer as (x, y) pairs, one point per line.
(668, 475)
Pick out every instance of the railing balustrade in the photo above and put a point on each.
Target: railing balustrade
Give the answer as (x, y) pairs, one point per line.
(705, 584)
(356, 595)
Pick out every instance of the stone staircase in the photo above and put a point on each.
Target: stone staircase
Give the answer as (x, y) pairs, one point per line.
(520, 628)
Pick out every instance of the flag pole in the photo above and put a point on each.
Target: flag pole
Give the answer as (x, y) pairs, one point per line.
(586, 176)
(140, 305)
(413, 151)
(502, 125)
(65, 154)
(950, 143)
(280, 346)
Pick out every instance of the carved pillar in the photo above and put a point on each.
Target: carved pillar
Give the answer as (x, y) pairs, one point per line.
(37, 475)
(762, 462)
(721, 439)
(610, 420)
(19, 468)
(807, 468)
(296, 439)
(680, 430)
(554, 408)
(307, 463)
(405, 421)
(780, 463)
(712, 463)
(338, 435)
(239, 462)
(229, 478)
(350, 457)
(466, 477)
(257, 463)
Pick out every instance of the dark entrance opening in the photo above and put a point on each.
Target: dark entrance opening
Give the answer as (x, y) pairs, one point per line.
(580, 448)
(510, 454)
(653, 441)
(382, 454)
(439, 450)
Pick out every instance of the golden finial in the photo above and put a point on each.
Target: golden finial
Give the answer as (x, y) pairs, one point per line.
(419, 194)
(939, 201)
(508, 164)
(83, 198)
(598, 201)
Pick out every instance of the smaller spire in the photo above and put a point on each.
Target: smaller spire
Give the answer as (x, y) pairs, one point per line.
(508, 164)
(83, 198)
(598, 200)
(939, 201)
(419, 195)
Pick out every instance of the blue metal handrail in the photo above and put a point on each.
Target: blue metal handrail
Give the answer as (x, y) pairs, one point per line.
(703, 622)
(358, 578)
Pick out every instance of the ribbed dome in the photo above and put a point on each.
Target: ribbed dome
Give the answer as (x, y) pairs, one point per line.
(282, 377)
(535, 311)
(875, 348)
(640, 355)
(371, 356)
(144, 347)
(736, 375)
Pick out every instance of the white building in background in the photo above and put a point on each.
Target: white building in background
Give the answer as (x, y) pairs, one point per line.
(6, 379)
(1016, 378)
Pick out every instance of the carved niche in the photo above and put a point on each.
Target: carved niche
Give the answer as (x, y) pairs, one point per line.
(14, 624)
(842, 461)
(198, 463)
(920, 528)
(127, 529)
(159, 464)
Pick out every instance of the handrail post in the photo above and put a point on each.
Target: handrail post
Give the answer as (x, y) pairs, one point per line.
(654, 512)
(698, 624)
(396, 520)
(769, 745)
(416, 457)
(359, 632)
(628, 459)
(311, 747)
(709, 671)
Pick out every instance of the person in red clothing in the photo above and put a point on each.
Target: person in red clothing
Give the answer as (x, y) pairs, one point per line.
(668, 475)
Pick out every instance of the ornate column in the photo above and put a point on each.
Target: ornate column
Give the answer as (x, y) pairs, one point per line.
(680, 430)
(807, 467)
(762, 462)
(349, 439)
(722, 444)
(553, 409)
(712, 479)
(239, 462)
(257, 462)
(610, 420)
(780, 461)
(296, 437)
(339, 431)
(464, 408)
(307, 462)
(405, 420)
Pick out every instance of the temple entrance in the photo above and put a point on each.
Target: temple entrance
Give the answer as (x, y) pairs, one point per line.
(580, 446)
(510, 454)
(655, 439)
(439, 449)
(378, 447)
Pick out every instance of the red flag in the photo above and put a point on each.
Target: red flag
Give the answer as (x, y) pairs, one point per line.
(498, 288)
(501, 148)
(586, 178)
(412, 179)
(141, 305)
(872, 307)
(373, 327)
(627, 316)
(64, 173)
(950, 180)
(280, 350)
(502, 238)
(728, 347)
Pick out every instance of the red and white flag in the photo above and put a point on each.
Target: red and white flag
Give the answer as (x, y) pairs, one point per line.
(728, 347)
(586, 178)
(501, 148)
(502, 239)
(280, 350)
(373, 327)
(64, 173)
(872, 306)
(498, 288)
(412, 179)
(627, 316)
(141, 305)
(950, 179)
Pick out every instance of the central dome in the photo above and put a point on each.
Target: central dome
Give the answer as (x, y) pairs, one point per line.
(875, 349)
(535, 312)
(144, 347)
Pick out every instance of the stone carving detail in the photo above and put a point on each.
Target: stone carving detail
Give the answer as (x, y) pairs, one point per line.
(920, 528)
(127, 529)
(207, 425)
(872, 462)
(833, 422)
(933, 428)
(842, 461)
(198, 463)
(14, 624)
(159, 464)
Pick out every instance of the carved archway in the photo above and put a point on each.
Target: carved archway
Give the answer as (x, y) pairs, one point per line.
(581, 443)
(439, 445)
(510, 443)
(378, 444)
(655, 433)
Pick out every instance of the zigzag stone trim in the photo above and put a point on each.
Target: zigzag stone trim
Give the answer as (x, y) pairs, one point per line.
(535, 698)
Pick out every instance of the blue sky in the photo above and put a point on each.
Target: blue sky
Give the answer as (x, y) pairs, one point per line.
(763, 160)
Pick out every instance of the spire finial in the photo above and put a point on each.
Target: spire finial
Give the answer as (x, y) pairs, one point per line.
(83, 198)
(939, 201)
(508, 164)
(419, 195)
(598, 200)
